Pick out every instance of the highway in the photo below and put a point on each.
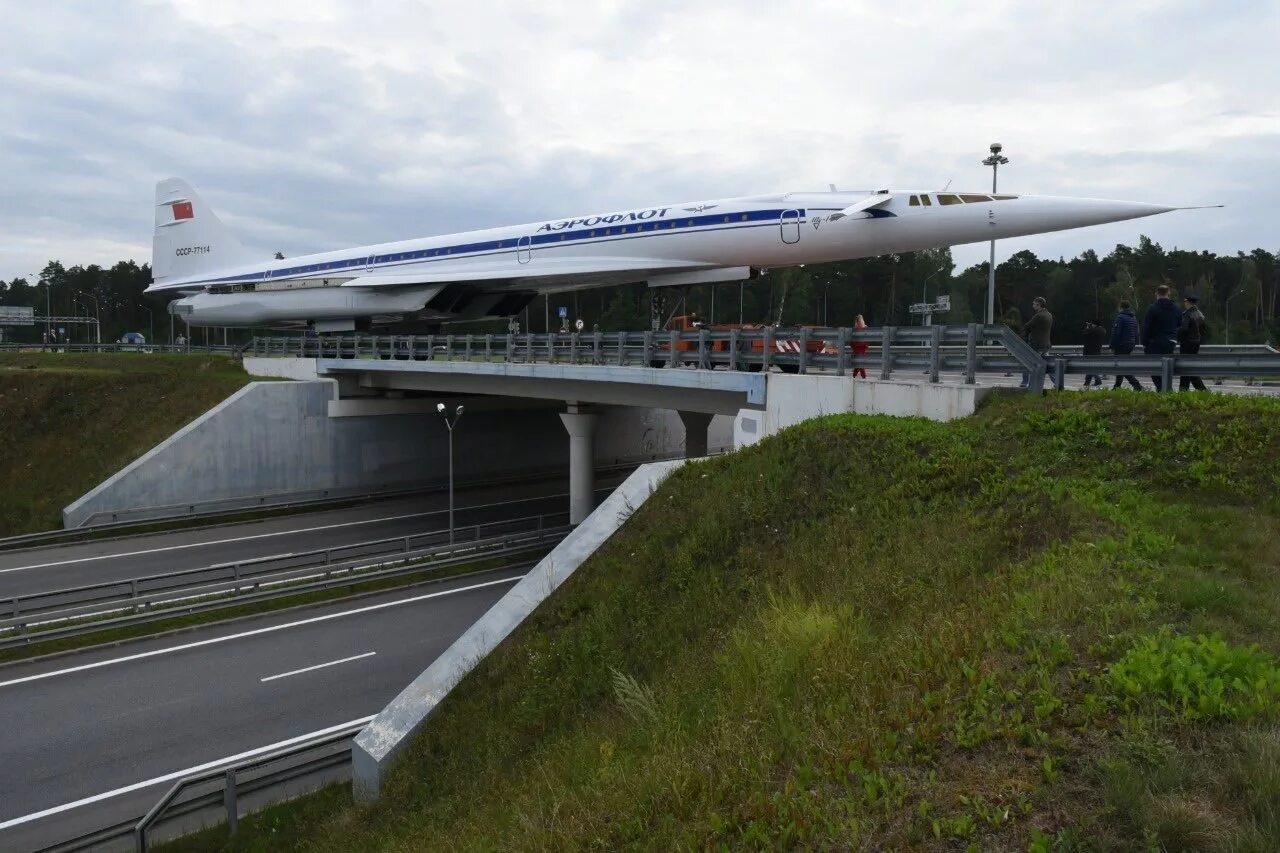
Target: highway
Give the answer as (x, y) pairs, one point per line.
(62, 566)
(97, 737)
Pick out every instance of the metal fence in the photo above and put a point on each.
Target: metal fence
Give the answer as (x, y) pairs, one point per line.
(225, 349)
(883, 352)
(55, 614)
(223, 792)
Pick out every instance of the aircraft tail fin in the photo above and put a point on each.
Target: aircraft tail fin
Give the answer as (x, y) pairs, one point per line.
(189, 239)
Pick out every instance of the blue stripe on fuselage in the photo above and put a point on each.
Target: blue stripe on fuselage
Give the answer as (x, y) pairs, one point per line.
(675, 224)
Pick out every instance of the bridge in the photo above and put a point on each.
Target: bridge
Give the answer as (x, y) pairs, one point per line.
(764, 378)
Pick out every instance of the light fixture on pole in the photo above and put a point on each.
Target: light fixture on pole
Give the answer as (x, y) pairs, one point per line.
(1229, 298)
(995, 161)
(151, 323)
(97, 315)
(48, 310)
(457, 416)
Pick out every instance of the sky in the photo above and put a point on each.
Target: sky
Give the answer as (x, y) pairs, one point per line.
(312, 125)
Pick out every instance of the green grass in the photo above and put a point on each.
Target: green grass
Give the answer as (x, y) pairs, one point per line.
(1048, 627)
(71, 421)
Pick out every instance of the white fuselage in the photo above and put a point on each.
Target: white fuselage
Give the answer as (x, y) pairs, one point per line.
(646, 244)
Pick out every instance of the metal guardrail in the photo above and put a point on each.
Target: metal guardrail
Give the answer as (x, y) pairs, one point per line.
(223, 789)
(232, 584)
(225, 349)
(968, 350)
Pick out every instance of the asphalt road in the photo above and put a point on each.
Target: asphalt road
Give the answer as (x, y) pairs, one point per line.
(126, 722)
(63, 566)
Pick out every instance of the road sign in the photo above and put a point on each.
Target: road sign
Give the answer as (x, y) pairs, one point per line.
(17, 315)
(943, 304)
(562, 312)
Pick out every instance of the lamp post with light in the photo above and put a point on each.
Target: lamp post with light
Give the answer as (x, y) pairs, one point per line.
(1229, 298)
(457, 416)
(995, 161)
(151, 323)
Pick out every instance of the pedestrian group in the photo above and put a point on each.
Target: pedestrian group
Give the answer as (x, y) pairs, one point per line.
(1165, 329)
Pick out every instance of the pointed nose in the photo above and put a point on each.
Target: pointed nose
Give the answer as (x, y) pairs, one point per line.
(1048, 213)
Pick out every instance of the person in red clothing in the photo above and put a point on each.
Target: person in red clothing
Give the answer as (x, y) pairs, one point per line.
(860, 347)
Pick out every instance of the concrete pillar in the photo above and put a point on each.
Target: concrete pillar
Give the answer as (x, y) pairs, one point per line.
(695, 433)
(581, 426)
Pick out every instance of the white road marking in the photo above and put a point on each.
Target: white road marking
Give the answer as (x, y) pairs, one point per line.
(317, 666)
(177, 774)
(266, 536)
(255, 632)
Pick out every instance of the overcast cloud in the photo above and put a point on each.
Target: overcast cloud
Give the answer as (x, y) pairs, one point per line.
(321, 124)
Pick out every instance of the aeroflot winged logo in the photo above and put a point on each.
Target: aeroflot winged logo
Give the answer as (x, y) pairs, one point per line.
(609, 219)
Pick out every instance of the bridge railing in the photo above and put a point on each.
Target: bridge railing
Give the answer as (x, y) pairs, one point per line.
(881, 352)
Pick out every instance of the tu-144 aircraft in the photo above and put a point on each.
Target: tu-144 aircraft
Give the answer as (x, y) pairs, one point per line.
(496, 272)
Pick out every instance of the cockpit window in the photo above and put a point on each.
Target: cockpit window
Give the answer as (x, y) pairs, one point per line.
(925, 200)
(1003, 197)
(975, 199)
(915, 201)
(944, 198)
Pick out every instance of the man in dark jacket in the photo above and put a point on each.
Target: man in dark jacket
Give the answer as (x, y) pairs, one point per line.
(1160, 327)
(1037, 331)
(1094, 335)
(1124, 337)
(1191, 333)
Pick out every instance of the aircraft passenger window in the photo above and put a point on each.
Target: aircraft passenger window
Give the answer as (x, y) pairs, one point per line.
(690, 222)
(562, 238)
(915, 201)
(949, 199)
(975, 199)
(744, 217)
(924, 199)
(726, 219)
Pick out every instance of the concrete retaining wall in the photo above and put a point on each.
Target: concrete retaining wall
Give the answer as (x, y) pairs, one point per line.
(272, 442)
(376, 747)
(791, 399)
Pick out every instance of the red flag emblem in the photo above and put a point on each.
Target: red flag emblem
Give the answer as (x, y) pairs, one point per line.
(182, 210)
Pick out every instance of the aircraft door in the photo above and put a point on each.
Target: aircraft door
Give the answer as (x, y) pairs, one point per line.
(524, 249)
(368, 262)
(790, 225)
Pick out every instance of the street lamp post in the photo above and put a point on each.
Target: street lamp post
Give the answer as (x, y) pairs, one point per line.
(1229, 298)
(457, 416)
(97, 315)
(48, 310)
(151, 324)
(995, 161)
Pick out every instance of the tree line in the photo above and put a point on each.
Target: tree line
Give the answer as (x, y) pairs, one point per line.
(1244, 287)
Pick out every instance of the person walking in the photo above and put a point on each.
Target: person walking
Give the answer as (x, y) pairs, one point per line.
(1124, 337)
(1191, 333)
(1160, 328)
(1094, 336)
(860, 347)
(1037, 332)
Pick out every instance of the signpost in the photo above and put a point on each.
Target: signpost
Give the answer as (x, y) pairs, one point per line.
(928, 309)
(17, 315)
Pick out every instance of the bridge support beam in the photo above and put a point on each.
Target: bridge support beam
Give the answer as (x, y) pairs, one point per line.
(695, 433)
(580, 423)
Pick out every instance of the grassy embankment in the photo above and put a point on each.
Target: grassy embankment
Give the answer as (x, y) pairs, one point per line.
(1050, 627)
(71, 421)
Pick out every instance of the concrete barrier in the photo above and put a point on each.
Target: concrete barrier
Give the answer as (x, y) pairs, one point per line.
(791, 399)
(376, 747)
